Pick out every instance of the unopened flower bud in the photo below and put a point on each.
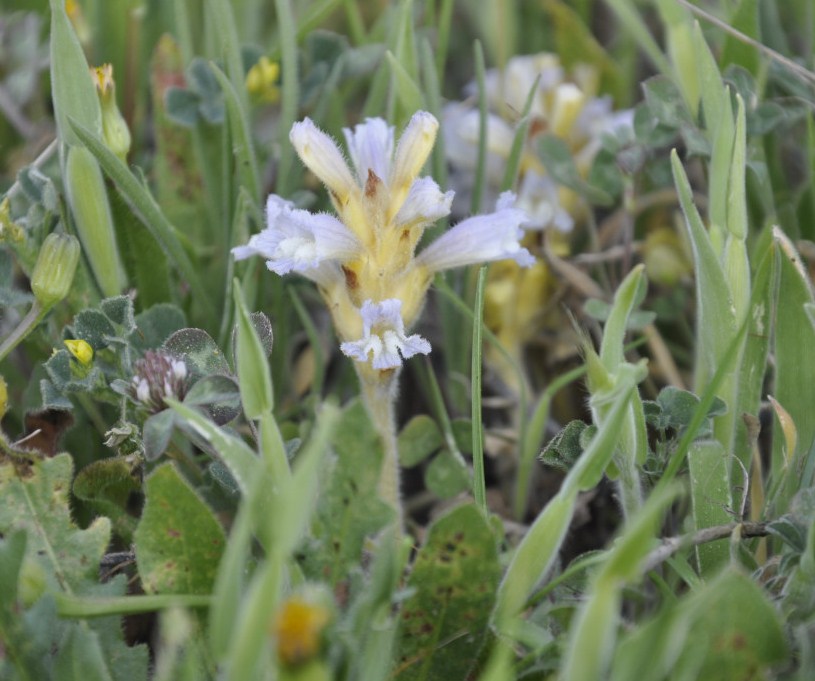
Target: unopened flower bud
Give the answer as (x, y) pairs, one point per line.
(115, 132)
(81, 351)
(55, 268)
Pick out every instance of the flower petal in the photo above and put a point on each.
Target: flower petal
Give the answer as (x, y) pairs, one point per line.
(296, 240)
(483, 238)
(425, 203)
(414, 147)
(383, 339)
(321, 155)
(370, 145)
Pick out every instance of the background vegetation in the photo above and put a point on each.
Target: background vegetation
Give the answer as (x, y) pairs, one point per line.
(608, 457)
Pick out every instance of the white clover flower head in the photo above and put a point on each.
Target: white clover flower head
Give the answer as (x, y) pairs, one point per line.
(158, 376)
(383, 336)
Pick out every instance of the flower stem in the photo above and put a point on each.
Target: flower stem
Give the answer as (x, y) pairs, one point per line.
(27, 324)
(379, 394)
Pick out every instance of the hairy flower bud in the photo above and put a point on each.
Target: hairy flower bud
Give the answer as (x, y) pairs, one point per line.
(55, 268)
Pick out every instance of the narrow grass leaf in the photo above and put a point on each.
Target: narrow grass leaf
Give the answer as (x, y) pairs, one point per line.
(534, 556)
(242, 145)
(290, 95)
(252, 367)
(630, 292)
(236, 455)
(479, 483)
(715, 322)
(594, 630)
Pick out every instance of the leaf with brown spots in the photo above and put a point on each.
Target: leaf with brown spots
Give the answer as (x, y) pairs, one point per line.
(179, 542)
(454, 580)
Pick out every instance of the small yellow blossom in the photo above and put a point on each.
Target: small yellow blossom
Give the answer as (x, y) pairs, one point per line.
(261, 81)
(298, 629)
(9, 230)
(81, 350)
(115, 132)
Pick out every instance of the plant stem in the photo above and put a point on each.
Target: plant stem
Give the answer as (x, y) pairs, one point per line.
(28, 323)
(379, 393)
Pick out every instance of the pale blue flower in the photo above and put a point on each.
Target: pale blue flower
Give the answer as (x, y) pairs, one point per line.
(299, 241)
(482, 238)
(383, 336)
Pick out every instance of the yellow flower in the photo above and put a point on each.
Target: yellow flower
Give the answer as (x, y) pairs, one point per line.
(81, 350)
(298, 629)
(261, 81)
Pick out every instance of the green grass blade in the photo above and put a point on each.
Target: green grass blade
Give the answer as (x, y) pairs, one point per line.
(242, 145)
(479, 484)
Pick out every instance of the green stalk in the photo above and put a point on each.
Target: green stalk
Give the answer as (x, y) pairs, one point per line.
(479, 484)
(27, 324)
(379, 394)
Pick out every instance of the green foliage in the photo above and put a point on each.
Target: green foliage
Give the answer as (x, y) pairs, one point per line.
(210, 463)
(179, 542)
(454, 578)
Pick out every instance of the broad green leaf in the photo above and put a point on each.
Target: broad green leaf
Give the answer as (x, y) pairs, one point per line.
(447, 475)
(81, 658)
(155, 325)
(418, 439)
(711, 87)
(737, 628)
(453, 580)
(745, 19)
(711, 500)
(201, 354)
(753, 366)
(35, 499)
(178, 541)
(794, 365)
